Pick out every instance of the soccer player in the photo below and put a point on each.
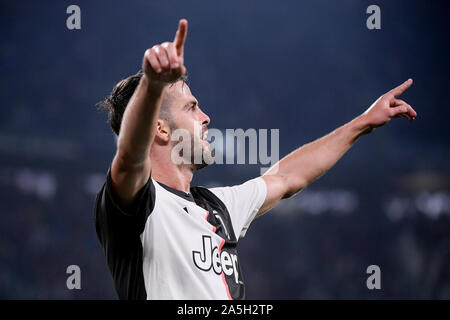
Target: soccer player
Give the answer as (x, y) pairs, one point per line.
(164, 239)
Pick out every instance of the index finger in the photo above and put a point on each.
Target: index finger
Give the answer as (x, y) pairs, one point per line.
(180, 36)
(401, 88)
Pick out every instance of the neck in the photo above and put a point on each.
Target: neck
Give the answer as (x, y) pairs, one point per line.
(178, 177)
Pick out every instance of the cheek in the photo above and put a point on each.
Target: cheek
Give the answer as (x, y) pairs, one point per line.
(179, 120)
(184, 123)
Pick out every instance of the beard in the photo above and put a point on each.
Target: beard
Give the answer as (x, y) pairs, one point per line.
(201, 147)
(194, 151)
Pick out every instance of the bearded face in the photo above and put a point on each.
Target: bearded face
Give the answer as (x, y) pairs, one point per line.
(192, 147)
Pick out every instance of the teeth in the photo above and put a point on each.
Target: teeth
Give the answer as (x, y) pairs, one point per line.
(205, 135)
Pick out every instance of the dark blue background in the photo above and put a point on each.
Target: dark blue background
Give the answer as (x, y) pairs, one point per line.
(305, 67)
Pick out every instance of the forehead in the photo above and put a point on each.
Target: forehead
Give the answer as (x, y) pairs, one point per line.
(179, 92)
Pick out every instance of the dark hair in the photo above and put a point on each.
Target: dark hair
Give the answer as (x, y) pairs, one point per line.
(117, 101)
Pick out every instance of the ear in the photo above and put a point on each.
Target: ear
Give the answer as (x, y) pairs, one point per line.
(163, 131)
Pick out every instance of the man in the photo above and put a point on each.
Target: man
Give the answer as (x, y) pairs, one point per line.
(164, 239)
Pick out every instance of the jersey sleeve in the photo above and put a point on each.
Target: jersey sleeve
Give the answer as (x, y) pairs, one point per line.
(113, 219)
(243, 202)
(118, 229)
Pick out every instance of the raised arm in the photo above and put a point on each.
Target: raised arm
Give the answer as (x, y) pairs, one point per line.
(162, 64)
(304, 165)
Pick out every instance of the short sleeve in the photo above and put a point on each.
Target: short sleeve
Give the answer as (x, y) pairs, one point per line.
(243, 202)
(112, 218)
(118, 229)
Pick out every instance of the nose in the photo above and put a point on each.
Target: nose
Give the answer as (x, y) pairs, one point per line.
(205, 119)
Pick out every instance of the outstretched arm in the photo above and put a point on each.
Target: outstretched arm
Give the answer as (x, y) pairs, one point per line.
(304, 165)
(162, 64)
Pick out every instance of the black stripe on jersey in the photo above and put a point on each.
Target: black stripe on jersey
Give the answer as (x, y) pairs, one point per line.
(210, 202)
(218, 216)
(118, 229)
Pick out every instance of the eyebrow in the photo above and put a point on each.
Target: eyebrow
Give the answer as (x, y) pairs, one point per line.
(190, 103)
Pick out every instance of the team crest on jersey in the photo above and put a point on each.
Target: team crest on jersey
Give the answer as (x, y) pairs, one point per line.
(219, 218)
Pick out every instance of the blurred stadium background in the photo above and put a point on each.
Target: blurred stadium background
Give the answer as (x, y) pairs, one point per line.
(305, 67)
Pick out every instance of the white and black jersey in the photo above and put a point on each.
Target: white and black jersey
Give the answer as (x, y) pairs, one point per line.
(175, 245)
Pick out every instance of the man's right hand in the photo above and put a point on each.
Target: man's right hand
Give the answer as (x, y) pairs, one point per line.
(164, 63)
(131, 166)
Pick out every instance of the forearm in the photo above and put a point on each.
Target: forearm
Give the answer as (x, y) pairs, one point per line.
(304, 165)
(139, 124)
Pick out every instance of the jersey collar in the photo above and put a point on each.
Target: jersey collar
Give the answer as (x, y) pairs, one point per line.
(184, 195)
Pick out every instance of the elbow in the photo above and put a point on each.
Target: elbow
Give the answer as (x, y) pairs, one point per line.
(293, 186)
(128, 161)
(132, 153)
